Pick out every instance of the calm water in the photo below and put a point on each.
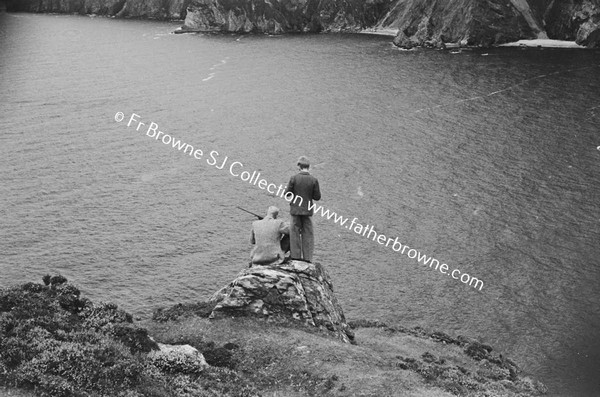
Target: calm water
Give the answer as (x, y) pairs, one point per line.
(485, 159)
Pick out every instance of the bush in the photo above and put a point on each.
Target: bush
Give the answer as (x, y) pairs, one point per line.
(59, 344)
(53, 341)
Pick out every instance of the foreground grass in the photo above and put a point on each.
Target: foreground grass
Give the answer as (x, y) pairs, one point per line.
(53, 343)
(285, 361)
(385, 361)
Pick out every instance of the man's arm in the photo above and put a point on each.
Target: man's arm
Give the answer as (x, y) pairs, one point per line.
(316, 196)
(284, 228)
(290, 186)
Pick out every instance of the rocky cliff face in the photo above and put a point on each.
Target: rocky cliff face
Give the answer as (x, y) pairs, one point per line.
(468, 22)
(294, 291)
(418, 22)
(152, 9)
(281, 16)
(490, 22)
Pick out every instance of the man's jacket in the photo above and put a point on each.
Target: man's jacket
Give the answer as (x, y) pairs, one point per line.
(266, 235)
(305, 186)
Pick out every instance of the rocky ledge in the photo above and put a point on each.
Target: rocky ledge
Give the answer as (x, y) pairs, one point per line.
(293, 291)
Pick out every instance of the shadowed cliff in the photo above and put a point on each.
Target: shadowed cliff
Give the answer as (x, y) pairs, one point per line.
(151, 9)
(284, 15)
(433, 23)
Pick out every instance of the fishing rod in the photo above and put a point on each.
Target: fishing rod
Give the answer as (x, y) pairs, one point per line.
(256, 215)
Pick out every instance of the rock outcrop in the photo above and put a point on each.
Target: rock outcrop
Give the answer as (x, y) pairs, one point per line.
(490, 22)
(293, 291)
(178, 359)
(472, 22)
(282, 16)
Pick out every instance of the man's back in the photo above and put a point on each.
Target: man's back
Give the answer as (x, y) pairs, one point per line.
(266, 235)
(304, 189)
(307, 187)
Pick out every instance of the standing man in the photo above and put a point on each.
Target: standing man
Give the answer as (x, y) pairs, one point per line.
(305, 190)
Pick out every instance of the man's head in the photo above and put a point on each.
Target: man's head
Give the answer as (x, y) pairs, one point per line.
(303, 162)
(272, 212)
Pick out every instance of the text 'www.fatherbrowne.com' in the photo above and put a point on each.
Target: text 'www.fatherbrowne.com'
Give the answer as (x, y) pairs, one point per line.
(393, 243)
(237, 170)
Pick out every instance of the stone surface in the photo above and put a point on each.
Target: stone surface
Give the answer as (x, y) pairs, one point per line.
(470, 22)
(280, 16)
(294, 290)
(178, 358)
(487, 22)
(588, 33)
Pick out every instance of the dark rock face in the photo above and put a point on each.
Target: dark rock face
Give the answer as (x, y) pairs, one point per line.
(471, 22)
(152, 9)
(280, 16)
(292, 291)
(428, 23)
(466, 22)
(564, 19)
(588, 33)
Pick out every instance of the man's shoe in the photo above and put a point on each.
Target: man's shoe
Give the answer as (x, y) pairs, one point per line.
(299, 259)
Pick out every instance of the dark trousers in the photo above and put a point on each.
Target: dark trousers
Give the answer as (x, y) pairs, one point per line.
(302, 239)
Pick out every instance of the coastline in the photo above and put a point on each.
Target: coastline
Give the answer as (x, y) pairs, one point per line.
(382, 32)
(546, 43)
(534, 43)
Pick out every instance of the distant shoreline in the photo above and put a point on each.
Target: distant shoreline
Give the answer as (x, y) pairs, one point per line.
(546, 43)
(543, 43)
(383, 32)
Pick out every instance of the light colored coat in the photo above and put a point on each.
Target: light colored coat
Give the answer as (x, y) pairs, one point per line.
(266, 237)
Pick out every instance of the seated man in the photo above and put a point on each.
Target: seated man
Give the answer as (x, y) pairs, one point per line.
(266, 236)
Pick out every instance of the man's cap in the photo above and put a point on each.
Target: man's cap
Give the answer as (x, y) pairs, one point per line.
(303, 160)
(273, 211)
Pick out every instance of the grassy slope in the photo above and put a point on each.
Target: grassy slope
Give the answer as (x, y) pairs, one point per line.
(285, 361)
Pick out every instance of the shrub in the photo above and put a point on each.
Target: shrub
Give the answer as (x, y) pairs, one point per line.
(53, 341)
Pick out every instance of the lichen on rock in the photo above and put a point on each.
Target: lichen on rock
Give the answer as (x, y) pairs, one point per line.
(295, 290)
(178, 359)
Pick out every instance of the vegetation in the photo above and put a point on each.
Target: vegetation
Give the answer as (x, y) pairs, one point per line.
(55, 343)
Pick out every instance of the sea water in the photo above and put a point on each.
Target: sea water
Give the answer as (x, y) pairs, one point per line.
(485, 159)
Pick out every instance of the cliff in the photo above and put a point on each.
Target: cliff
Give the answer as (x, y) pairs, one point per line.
(418, 22)
(150, 9)
(491, 22)
(284, 15)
